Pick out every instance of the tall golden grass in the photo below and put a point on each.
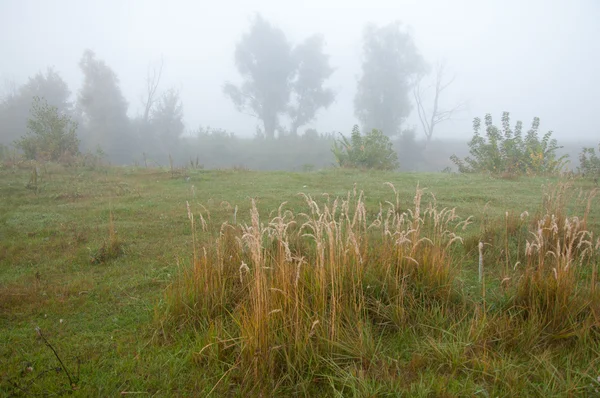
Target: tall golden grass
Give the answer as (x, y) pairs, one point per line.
(306, 285)
(557, 286)
(281, 299)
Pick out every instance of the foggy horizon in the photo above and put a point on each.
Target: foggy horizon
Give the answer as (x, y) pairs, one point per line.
(534, 59)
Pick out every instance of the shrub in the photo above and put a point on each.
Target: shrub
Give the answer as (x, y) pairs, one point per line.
(371, 151)
(589, 162)
(506, 151)
(51, 135)
(91, 160)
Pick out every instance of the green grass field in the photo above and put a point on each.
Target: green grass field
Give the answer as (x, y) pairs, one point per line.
(103, 263)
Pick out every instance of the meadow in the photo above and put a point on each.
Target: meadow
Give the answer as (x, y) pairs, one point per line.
(119, 281)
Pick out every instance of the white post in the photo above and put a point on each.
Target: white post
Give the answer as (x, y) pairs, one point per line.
(480, 262)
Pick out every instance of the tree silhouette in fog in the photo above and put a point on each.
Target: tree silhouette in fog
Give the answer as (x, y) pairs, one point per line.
(391, 65)
(279, 79)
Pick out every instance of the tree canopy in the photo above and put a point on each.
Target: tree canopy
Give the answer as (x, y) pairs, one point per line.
(104, 109)
(391, 64)
(272, 70)
(308, 93)
(15, 108)
(51, 134)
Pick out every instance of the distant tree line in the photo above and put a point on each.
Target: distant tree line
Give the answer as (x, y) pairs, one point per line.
(283, 85)
(99, 115)
(280, 81)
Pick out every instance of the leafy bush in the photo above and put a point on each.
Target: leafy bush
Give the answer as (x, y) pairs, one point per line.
(51, 135)
(371, 151)
(589, 162)
(505, 150)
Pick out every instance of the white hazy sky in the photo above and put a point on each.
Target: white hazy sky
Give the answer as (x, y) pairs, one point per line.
(533, 58)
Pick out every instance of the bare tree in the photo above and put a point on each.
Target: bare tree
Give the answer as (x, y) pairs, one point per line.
(437, 116)
(152, 82)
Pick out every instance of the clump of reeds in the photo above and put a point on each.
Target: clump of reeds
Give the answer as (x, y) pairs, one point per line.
(556, 283)
(305, 288)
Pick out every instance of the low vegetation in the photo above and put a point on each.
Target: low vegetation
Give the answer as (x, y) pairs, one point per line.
(51, 136)
(372, 150)
(208, 282)
(589, 162)
(507, 151)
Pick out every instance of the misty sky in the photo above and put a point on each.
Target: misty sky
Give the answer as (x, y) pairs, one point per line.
(533, 58)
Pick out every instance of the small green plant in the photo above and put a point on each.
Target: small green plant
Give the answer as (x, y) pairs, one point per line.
(33, 180)
(308, 168)
(589, 162)
(506, 152)
(370, 151)
(51, 135)
(92, 160)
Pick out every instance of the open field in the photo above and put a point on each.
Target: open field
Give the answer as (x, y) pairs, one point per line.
(104, 263)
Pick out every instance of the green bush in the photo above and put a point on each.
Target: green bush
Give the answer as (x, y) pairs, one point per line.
(589, 162)
(51, 135)
(507, 151)
(370, 151)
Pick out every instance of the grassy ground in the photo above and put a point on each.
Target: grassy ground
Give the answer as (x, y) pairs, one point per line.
(87, 257)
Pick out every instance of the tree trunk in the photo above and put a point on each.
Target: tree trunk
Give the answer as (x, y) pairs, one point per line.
(294, 130)
(269, 124)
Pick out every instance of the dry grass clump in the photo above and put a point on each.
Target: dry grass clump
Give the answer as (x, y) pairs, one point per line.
(557, 286)
(111, 248)
(305, 297)
(550, 280)
(561, 198)
(415, 268)
(287, 296)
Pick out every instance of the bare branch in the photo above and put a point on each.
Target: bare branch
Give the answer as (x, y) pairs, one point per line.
(449, 82)
(421, 109)
(152, 81)
(437, 115)
(240, 99)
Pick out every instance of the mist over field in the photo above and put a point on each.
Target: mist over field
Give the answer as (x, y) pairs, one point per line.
(319, 199)
(532, 59)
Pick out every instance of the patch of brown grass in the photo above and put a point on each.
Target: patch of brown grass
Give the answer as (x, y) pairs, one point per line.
(296, 287)
(34, 292)
(111, 248)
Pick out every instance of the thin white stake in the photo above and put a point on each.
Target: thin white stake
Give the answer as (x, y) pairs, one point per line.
(480, 262)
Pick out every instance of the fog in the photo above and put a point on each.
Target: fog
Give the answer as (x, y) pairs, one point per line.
(532, 58)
